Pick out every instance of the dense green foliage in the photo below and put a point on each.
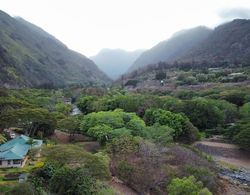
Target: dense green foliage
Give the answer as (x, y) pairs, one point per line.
(72, 181)
(24, 188)
(107, 125)
(243, 136)
(187, 186)
(179, 123)
(71, 170)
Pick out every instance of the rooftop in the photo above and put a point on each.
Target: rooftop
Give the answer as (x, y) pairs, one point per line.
(17, 148)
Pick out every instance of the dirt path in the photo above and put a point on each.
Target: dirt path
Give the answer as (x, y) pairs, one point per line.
(120, 188)
(233, 163)
(64, 137)
(228, 153)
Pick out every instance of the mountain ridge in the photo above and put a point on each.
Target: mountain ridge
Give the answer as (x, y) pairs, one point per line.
(228, 42)
(179, 43)
(31, 57)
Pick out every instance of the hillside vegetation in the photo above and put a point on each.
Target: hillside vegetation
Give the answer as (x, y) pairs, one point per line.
(31, 57)
(226, 43)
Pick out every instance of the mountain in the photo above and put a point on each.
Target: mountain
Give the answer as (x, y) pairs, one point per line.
(169, 50)
(30, 57)
(228, 42)
(115, 62)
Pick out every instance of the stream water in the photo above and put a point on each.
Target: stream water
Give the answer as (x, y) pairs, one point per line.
(241, 175)
(75, 110)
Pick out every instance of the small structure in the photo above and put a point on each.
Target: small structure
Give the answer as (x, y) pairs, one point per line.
(23, 177)
(14, 152)
(67, 101)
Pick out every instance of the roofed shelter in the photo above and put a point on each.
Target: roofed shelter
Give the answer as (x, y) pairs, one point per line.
(14, 152)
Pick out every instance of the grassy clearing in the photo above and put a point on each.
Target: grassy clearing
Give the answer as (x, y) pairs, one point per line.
(228, 166)
(8, 185)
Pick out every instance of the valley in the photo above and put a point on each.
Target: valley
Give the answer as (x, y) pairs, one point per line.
(170, 120)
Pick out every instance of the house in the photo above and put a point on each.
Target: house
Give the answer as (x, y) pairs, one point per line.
(14, 152)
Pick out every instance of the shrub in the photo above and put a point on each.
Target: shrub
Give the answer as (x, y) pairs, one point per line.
(72, 181)
(98, 166)
(245, 110)
(186, 186)
(124, 145)
(234, 96)
(131, 83)
(243, 137)
(203, 174)
(125, 170)
(85, 104)
(63, 108)
(202, 77)
(160, 76)
(65, 154)
(24, 188)
(160, 134)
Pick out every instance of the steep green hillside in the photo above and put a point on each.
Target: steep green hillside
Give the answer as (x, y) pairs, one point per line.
(229, 42)
(178, 45)
(30, 57)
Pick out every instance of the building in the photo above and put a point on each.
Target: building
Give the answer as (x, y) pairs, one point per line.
(14, 152)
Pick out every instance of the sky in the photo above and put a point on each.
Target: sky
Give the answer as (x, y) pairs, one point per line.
(87, 26)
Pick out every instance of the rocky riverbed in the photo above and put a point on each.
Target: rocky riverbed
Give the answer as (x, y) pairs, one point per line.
(233, 163)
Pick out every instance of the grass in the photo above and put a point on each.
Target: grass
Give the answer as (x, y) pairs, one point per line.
(5, 186)
(228, 166)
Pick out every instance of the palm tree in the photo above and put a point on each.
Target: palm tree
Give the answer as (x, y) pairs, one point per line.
(2, 139)
(31, 142)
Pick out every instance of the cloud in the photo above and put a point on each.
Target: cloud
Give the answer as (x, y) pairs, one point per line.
(229, 14)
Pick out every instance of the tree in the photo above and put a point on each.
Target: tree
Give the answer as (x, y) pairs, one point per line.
(70, 124)
(243, 137)
(108, 125)
(203, 113)
(31, 142)
(137, 125)
(160, 134)
(2, 139)
(63, 108)
(32, 120)
(85, 104)
(72, 182)
(7, 103)
(100, 132)
(98, 166)
(245, 110)
(234, 96)
(177, 122)
(187, 186)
